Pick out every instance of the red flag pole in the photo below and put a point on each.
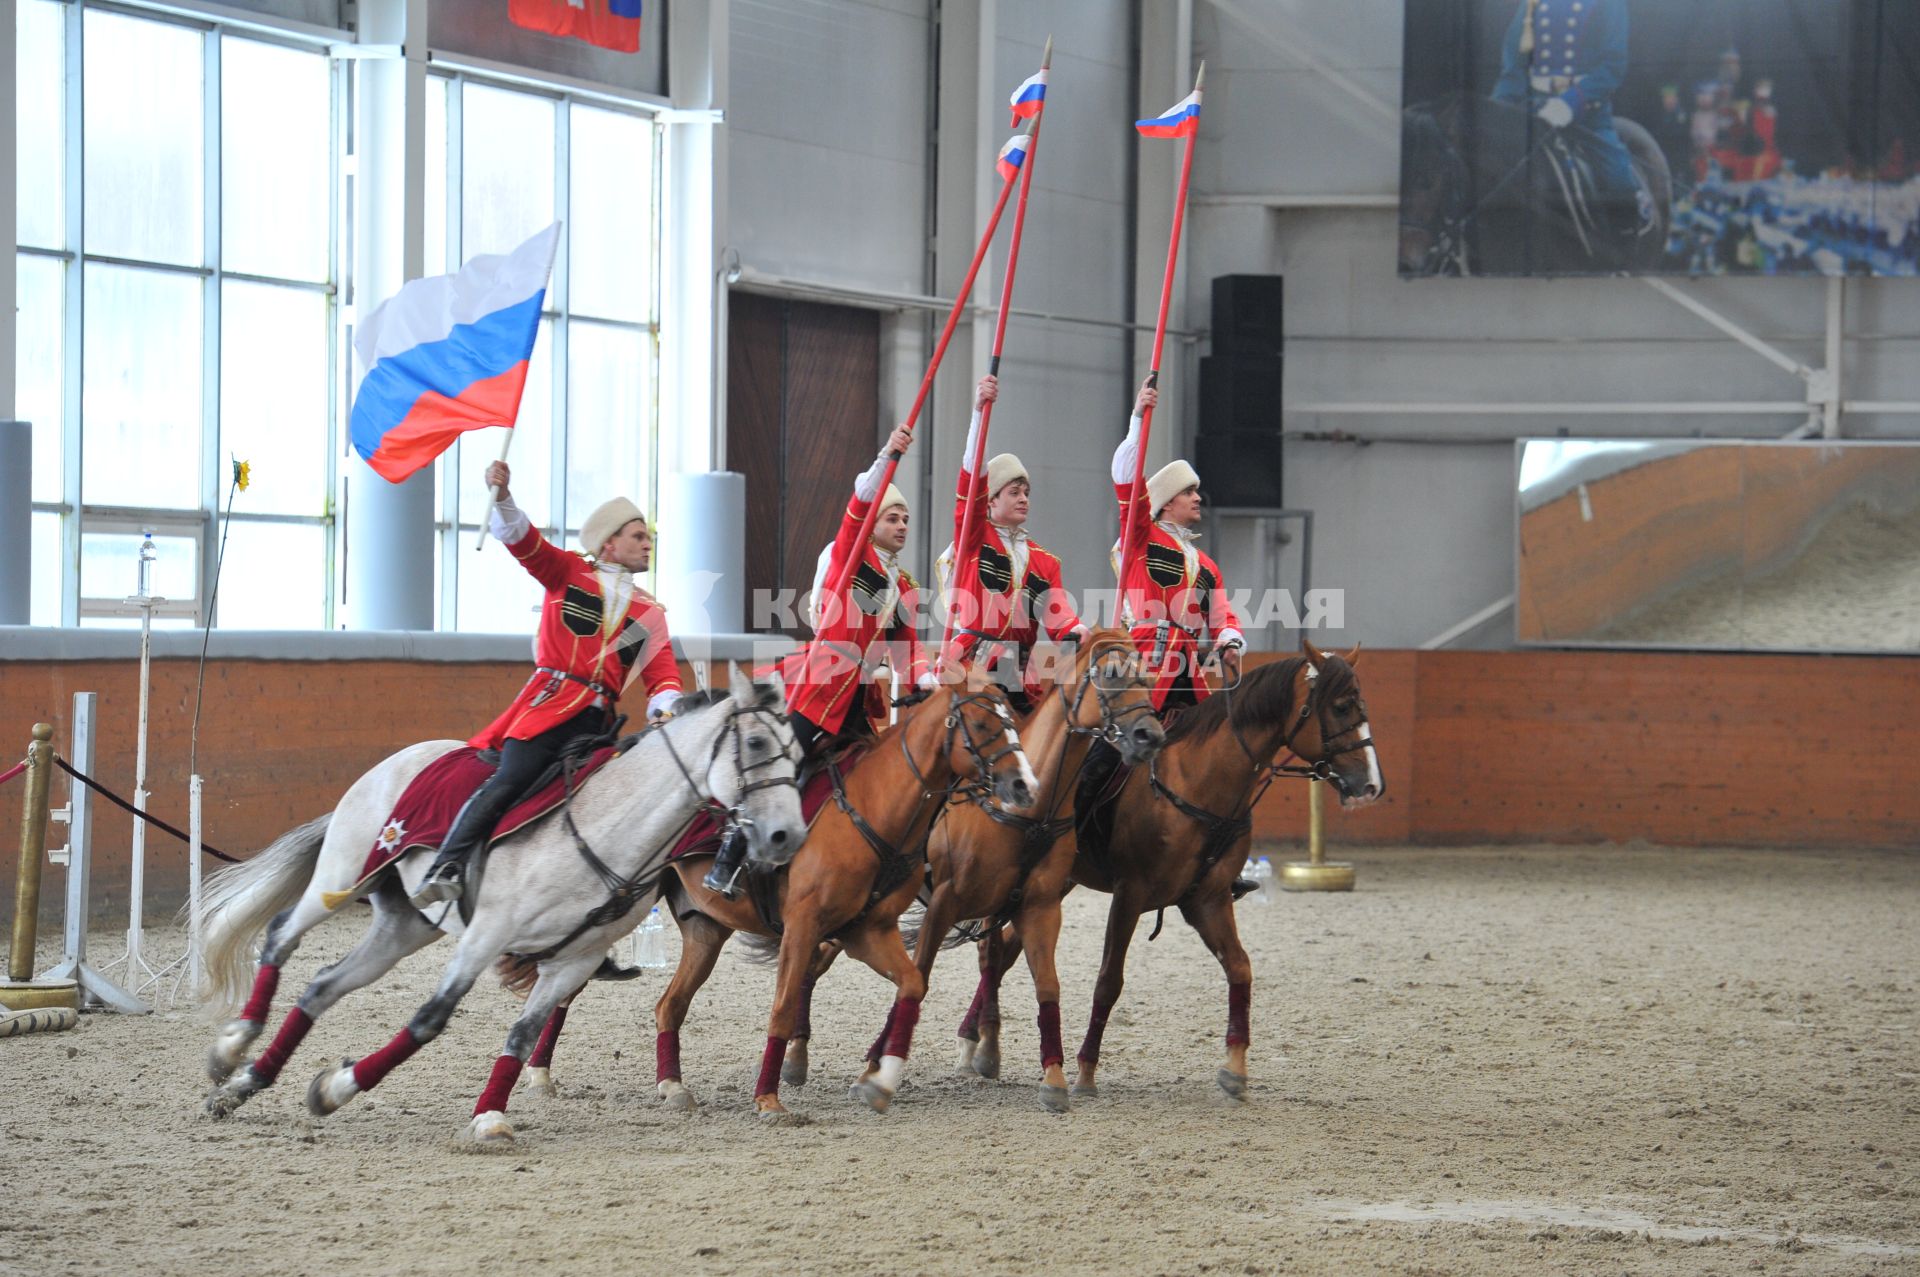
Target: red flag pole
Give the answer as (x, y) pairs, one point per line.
(973, 464)
(1159, 339)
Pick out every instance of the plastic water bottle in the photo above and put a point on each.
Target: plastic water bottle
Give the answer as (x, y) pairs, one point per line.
(650, 942)
(1260, 869)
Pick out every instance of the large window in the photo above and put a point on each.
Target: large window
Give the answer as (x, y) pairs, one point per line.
(175, 268)
(502, 164)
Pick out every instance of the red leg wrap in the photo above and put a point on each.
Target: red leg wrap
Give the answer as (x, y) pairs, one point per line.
(803, 1028)
(506, 1071)
(1239, 1001)
(879, 1046)
(274, 1058)
(666, 1056)
(266, 982)
(542, 1056)
(1096, 1029)
(970, 1023)
(900, 1026)
(368, 1072)
(1051, 1052)
(769, 1083)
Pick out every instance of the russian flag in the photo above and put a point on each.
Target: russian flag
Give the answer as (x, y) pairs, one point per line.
(1180, 120)
(448, 354)
(1030, 96)
(1012, 156)
(611, 24)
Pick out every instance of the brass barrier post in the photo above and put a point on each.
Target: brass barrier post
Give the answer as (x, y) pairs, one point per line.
(1315, 873)
(21, 992)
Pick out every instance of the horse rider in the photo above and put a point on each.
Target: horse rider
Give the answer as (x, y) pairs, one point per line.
(1564, 60)
(1008, 587)
(1172, 599)
(829, 689)
(598, 628)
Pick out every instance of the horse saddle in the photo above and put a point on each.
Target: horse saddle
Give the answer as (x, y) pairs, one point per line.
(1101, 779)
(427, 808)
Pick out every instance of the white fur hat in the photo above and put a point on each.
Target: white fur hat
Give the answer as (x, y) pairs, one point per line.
(1168, 482)
(1001, 471)
(606, 520)
(890, 497)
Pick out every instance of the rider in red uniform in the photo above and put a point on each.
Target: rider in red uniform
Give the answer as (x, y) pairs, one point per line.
(598, 628)
(829, 690)
(1172, 596)
(1008, 589)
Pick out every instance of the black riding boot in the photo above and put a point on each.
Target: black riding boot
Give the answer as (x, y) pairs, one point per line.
(470, 828)
(724, 875)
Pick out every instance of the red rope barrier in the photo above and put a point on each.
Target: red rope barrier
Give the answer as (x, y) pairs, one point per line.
(12, 771)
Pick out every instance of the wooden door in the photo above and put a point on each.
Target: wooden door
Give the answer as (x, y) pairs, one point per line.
(803, 417)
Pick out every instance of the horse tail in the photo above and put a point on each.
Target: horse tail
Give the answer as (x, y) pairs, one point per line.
(517, 973)
(240, 900)
(764, 950)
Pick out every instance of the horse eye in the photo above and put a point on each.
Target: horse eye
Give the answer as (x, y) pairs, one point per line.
(756, 742)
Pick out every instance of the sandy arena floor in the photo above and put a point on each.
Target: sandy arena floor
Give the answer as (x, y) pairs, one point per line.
(1484, 1061)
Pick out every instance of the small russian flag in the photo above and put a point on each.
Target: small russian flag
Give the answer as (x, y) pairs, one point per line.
(1012, 156)
(1030, 96)
(1180, 120)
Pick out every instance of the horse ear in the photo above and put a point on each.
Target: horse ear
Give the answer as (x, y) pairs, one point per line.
(734, 678)
(772, 692)
(1314, 655)
(1352, 657)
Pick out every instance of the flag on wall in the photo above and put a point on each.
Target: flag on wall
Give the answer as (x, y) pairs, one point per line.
(611, 24)
(1179, 120)
(448, 354)
(1012, 156)
(1030, 96)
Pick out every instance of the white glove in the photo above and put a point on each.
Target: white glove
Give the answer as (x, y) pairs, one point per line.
(1556, 113)
(928, 679)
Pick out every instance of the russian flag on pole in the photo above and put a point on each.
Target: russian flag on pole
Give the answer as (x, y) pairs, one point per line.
(1030, 96)
(611, 24)
(448, 354)
(1012, 156)
(1180, 120)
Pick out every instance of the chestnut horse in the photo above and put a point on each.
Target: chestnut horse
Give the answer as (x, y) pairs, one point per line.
(1182, 826)
(983, 863)
(860, 867)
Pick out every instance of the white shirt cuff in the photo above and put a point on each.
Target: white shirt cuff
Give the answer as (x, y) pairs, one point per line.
(507, 523)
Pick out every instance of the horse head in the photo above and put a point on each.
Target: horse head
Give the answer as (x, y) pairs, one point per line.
(753, 768)
(1333, 732)
(1121, 708)
(981, 741)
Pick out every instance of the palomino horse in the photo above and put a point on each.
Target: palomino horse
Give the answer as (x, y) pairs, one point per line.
(1181, 829)
(987, 864)
(859, 868)
(541, 896)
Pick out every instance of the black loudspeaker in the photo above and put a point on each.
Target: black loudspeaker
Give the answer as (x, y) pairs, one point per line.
(1238, 445)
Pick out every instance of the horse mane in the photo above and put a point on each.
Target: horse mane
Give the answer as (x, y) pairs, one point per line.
(1263, 697)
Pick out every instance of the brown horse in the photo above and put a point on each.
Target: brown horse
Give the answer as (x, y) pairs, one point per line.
(986, 864)
(859, 868)
(1182, 826)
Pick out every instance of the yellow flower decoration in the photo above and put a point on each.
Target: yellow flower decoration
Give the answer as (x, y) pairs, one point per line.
(242, 474)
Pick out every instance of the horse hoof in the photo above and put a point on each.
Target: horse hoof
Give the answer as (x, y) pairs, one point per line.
(224, 1100)
(986, 1061)
(1086, 1091)
(770, 1110)
(540, 1082)
(331, 1088)
(676, 1098)
(794, 1072)
(871, 1094)
(490, 1128)
(1234, 1084)
(230, 1048)
(964, 1063)
(1053, 1098)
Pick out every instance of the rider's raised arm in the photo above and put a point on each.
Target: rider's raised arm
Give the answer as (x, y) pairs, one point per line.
(544, 561)
(972, 487)
(1125, 459)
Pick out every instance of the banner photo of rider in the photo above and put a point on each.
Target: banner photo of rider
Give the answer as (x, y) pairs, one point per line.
(1696, 137)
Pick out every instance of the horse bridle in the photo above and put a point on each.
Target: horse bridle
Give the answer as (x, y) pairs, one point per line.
(1113, 724)
(983, 763)
(1309, 707)
(742, 768)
